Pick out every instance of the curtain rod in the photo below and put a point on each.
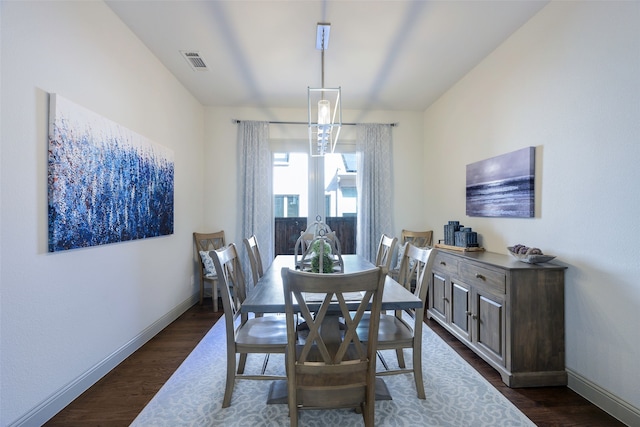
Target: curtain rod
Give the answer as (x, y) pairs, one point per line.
(236, 121)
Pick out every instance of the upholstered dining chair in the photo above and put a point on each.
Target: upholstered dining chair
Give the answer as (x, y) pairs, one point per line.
(205, 243)
(265, 334)
(385, 250)
(332, 366)
(255, 258)
(403, 328)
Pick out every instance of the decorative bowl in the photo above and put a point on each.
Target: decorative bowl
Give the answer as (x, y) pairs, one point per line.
(532, 258)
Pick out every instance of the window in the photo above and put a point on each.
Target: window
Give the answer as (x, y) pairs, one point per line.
(280, 159)
(305, 187)
(290, 186)
(286, 206)
(340, 188)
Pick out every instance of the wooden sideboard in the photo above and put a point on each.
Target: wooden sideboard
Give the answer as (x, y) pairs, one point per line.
(508, 312)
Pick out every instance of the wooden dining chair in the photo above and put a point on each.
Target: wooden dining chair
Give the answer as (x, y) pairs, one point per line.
(403, 328)
(255, 258)
(385, 250)
(420, 239)
(245, 335)
(205, 243)
(333, 366)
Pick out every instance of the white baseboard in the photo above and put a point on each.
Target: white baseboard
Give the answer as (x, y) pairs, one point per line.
(608, 402)
(60, 399)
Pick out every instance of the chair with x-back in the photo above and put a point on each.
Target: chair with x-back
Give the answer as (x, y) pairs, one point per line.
(265, 335)
(403, 328)
(255, 258)
(421, 239)
(333, 366)
(385, 250)
(205, 243)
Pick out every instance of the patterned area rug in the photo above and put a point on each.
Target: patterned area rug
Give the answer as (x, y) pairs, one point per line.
(456, 394)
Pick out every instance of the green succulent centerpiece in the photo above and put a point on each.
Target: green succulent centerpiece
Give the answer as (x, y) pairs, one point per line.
(327, 259)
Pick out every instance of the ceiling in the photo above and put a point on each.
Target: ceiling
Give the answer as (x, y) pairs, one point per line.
(385, 55)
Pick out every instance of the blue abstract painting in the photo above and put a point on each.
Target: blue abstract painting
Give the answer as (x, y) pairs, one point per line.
(502, 186)
(106, 184)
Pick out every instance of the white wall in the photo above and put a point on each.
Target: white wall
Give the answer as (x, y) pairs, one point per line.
(567, 83)
(221, 156)
(66, 317)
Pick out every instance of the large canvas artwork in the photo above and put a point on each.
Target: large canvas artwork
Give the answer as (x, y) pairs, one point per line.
(502, 186)
(106, 183)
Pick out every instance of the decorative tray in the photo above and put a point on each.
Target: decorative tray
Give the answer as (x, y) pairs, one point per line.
(531, 258)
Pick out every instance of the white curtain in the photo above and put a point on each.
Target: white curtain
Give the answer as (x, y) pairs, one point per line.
(256, 192)
(374, 184)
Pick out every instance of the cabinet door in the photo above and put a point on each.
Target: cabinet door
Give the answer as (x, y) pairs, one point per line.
(489, 330)
(460, 309)
(438, 297)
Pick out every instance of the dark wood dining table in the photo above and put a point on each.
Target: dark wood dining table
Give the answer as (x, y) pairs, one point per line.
(268, 297)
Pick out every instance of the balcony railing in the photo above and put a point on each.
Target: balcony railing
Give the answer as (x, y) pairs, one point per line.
(287, 231)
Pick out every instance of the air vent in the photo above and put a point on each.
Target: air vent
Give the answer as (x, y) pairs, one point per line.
(195, 60)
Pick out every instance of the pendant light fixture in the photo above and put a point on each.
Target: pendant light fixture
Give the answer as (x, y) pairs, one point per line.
(324, 123)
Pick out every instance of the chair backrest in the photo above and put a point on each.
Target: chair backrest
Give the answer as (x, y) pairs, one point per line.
(420, 239)
(232, 286)
(209, 241)
(332, 369)
(255, 258)
(385, 250)
(417, 264)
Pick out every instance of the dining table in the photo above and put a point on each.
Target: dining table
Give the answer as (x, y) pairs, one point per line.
(268, 297)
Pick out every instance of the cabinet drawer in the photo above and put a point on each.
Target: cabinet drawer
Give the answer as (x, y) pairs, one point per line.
(446, 264)
(491, 280)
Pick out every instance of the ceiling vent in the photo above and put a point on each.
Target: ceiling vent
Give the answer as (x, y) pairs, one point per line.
(195, 60)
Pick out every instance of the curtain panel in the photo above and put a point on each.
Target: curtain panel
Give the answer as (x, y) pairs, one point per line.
(256, 191)
(374, 186)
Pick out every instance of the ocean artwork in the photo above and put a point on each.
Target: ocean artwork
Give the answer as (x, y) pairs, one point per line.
(106, 184)
(502, 186)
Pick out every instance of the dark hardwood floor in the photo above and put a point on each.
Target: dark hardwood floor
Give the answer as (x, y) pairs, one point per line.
(117, 398)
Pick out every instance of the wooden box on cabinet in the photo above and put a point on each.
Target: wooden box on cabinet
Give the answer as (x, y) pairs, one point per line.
(509, 313)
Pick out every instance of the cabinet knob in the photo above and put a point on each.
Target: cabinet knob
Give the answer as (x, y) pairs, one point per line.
(480, 276)
(445, 299)
(474, 317)
(443, 263)
(468, 313)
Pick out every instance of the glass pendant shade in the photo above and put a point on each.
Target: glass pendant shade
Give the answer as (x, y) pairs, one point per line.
(323, 133)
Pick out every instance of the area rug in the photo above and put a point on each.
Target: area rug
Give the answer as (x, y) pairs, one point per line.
(456, 394)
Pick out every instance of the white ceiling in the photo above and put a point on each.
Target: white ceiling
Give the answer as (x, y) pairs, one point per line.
(385, 55)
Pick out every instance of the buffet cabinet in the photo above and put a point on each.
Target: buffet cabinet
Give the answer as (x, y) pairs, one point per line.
(509, 313)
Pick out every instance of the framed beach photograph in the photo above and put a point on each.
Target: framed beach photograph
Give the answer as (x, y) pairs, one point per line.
(502, 186)
(106, 184)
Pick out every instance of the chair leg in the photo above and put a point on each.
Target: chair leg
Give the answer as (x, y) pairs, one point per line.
(242, 363)
(214, 293)
(417, 372)
(201, 291)
(382, 360)
(264, 364)
(400, 356)
(293, 416)
(231, 378)
(292, 400)
(368, 415)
